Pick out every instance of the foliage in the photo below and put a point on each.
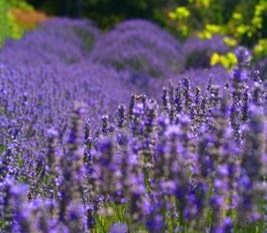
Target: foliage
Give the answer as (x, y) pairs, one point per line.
(16, 18)
(105, 12)
(4, 29)
(241, 21)
(260, 49)
(228, 60)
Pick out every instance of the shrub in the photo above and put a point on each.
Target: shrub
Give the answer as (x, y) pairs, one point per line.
(145, 48)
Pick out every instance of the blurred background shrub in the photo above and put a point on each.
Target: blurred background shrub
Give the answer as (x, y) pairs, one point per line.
(241, 22)
(105, 12)
(139, 46)
(237, 23)
(16, 17)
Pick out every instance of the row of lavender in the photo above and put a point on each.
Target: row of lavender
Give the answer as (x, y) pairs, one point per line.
(135, 46)
(190, 164)
(193, 163)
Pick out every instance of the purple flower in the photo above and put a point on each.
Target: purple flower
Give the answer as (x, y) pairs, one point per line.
(155, 224)
(118, 228)
(243, 56)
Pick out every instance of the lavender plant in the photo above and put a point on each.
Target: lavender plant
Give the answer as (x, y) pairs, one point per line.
(79, 154)
(55, 41)
(140, 47)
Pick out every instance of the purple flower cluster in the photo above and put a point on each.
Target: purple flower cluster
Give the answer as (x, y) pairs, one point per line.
(79, 153)
(262, 67)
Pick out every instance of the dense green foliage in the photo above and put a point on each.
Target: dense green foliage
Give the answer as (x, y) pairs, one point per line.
(3, 21)
(105, 12)
(8, 25)
(241, 22)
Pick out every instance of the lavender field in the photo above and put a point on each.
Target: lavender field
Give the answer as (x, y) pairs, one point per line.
(130, 130)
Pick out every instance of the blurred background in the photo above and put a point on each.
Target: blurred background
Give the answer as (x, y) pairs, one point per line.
(241, 22)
